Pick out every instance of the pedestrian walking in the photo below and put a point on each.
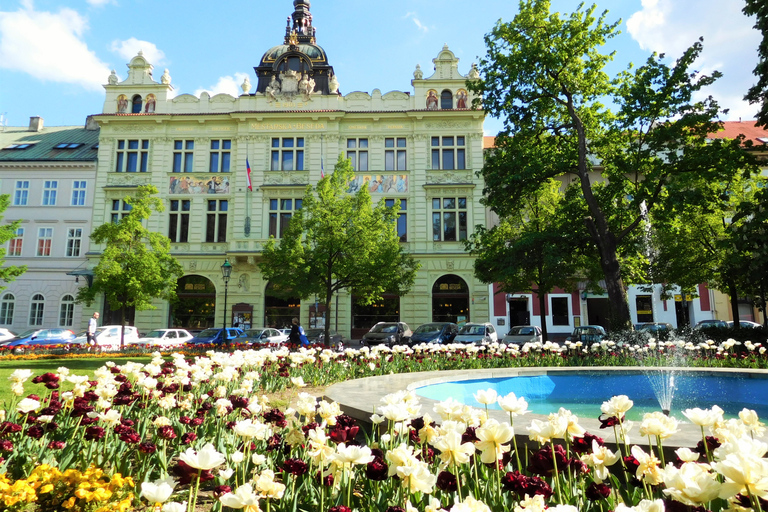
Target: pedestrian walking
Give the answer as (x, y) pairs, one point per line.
(90, 334)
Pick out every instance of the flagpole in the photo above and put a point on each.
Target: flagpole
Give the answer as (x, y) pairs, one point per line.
(322, 155)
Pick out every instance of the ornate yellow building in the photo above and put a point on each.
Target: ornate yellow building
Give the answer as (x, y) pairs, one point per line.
(419, 148)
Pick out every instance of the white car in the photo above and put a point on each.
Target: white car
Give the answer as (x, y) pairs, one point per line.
(108, 337)
(522, 334)
(164, 338)
(476, 333)
(265, 336)
(6, 335)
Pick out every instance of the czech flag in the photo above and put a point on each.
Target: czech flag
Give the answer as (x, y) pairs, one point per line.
(248, 175)
(322, 170)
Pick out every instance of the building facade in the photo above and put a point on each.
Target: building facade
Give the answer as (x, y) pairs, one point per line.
(49, 174)
(419, 148)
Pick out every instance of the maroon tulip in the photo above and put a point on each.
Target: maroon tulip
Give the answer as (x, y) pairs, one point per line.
(35, 432)
(56, 445)
(188, 438)
(296, 467)
(597, 492)
(584, 444)
(130, 437)
(377, 470)
(520, 485)
(6, 445)
(166, 432)
(94, 433)
(147, 447)
(9, 428)
(221, 490)
(340, 508)
(541, 462)
(447, 482)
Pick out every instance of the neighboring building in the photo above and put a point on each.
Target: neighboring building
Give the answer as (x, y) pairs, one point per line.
(49, 174)
(419, 148)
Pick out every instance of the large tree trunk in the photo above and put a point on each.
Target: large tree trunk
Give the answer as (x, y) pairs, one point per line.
(734, 296)
(542, 315)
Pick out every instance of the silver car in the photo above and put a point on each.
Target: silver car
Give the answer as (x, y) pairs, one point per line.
(476, 333)
(522, 334)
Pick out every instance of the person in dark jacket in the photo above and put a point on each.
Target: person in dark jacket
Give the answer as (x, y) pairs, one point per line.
(294, 337)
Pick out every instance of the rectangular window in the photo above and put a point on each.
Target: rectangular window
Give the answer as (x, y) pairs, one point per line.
(44, 240)
(15, 244)
(220, 155)
(449, 219)
(216, 226)
(74, 241)
(357, 151)
(402, 218)
(50, 187)
(183, 155)
(132, 155)
(280, 213)
(559, 308)
(287, 154)
(78, 193)
(644, 305)
(178, 223)
(21, 193)
(395, 158)
(66, 313)
(449, 153)
(119, 210)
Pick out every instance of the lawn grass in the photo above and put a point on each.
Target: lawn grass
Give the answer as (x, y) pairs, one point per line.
(79, 366)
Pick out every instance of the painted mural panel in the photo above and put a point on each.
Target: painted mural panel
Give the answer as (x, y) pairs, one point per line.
(199, 185)
(380, 183)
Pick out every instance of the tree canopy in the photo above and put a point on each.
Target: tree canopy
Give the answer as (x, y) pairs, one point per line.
(340, 241)
(544, 75)
(7, 232)
(530, 250)
(758, 93)
(136, 265)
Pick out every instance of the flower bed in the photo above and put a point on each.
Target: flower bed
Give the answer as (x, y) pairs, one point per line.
(194, 433)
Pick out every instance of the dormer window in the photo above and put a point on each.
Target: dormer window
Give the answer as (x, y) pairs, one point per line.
(136, 105)
(19, 146)
(446, 100)
(68, 145)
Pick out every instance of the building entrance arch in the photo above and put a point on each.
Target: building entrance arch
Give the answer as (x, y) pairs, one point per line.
(195, 307)
(450, 300)
(280, 306)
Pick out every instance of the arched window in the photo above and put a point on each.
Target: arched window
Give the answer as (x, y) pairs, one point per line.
(36, 310)
(67, 311)
(446, 100)
(7, 305)
(136, 106)
(450, 300)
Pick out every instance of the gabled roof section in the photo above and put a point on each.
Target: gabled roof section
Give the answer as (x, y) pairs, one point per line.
(81, 144)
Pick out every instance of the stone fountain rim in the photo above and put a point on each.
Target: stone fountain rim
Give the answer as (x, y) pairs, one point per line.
(359, 397)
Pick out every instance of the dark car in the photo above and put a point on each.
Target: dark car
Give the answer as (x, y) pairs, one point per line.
(709, 324)
(218, 336)
(435, 332)
(317, 337)
(388, 333)
(41, 338)
(587, 334)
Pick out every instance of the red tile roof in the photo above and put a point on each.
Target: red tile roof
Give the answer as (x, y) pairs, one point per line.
(732, 129)
(489, 142)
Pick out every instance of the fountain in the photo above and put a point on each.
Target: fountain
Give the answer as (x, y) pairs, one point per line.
(663, 385)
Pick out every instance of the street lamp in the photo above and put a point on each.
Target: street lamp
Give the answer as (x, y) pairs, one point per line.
(226, 272)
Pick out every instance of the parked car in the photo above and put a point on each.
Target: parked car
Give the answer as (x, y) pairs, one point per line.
(5, 334)
(264, 336)
(745, 324)
(522, 334)
(587, 334)
(108, 337)
(476, 333)
(317, 336)
(164, 338)
(655, 328)
(706, 324)
(388, 333)
(40, 338)
(435, 332)
(218, 336)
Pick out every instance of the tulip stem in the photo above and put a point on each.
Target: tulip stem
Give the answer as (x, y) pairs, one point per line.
(555, 482)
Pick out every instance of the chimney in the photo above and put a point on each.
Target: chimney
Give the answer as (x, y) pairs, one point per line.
(36, 124)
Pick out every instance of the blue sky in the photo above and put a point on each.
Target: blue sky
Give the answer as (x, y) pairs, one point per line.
(56, 54)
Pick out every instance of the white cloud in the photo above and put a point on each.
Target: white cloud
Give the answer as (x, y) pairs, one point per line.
(101, 3)
(129, 48)
(49, 47)
(416, 21)
(226, 85)
(730, 42)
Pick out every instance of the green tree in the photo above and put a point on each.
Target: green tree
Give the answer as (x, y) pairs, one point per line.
(751, 239)
(136, 265)
(529, 250)
(543, 74)
(8, 232)
(758, 93)
(340, 241)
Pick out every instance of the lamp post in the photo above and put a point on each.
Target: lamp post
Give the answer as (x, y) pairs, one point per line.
(226, 272)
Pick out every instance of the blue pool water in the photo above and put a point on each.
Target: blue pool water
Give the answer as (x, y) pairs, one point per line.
(583, 392)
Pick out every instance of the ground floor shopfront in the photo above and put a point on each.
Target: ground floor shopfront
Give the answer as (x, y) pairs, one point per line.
(445, 290)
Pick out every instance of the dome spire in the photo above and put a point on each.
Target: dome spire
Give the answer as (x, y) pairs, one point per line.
(299, 28)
